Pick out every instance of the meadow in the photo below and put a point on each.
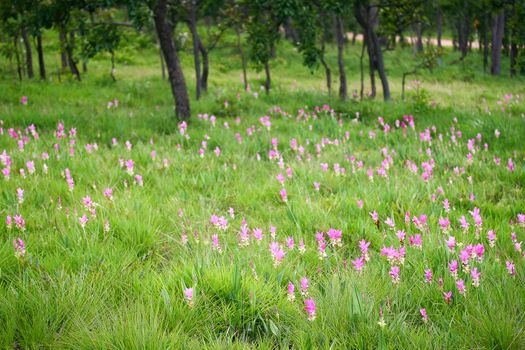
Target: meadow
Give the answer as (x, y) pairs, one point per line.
(287, 220)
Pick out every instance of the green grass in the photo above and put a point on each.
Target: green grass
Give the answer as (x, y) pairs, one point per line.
(123, 289)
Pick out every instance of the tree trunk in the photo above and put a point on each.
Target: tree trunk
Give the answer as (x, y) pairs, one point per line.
(371, 66)
(29, 54)
(17, 54)
(418, 27)
(63, 54)
(243, 59)
(463, 35)
(113, 66)
(367, 17)
(362, 68)
(498, 23)
(327, 70)
(485, 42)
(343, 89)
(268, 82)
(205, 66)
(40, 52)
(176, 75)
(70, 59)
(192, 25)
(513, 52)
(439, 21)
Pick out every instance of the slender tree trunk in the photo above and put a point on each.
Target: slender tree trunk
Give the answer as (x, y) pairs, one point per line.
(498, 23)
(113, 66)
(63, 44)
(371, 66)
(40, 52)
(70, 59)
(485, 42)
(418, 27)
(362, 68)
(29, 54)
(339, 33)
(354, 37)
(439, 21)
(162, 67)
(192, 24)
(327, 70)
(268, 82)
(205, 66)
(176, 76)
(243, 59)
(513, 53)
(17, 55)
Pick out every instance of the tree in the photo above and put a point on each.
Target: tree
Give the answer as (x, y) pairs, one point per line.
(165, 28)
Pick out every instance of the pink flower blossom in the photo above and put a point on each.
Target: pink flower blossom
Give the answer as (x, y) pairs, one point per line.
(309, 306)
(188, 295)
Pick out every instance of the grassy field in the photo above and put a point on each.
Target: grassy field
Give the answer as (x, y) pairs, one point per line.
(404, 220)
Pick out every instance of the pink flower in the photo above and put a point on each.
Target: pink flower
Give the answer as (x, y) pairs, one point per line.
(277, 252)
(448, 296)
(335, 236)
(83, 220)
(428, 276)
(363, 246)
(317, 186)
(394, 273)
(19, 246)
(280, 178)
(284, 195)
(219, 222)
(416, 241)
(20, 222)
(424, 315)
(358, 264)
(309, 306)
(215, 243)
(138, 180)
(291, 291)
(188, 295)
(510, 268)
(451, 243)
(129, 164)
(374, 216)
(475, 276)
(258, 234)
(108, 193)
(453, 267)
(304, 286)
(9, 221)
(24, 100)
(491, 236)
(460, 284)
(20, 195)
(360, 204)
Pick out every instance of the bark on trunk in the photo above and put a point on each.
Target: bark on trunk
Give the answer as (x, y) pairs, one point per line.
(327, 70)
(243, 59)
(29, 54)
(63, 54)
(439, 21)
(498, 23)
(367, 18)
(70, 59)
(418, 27)
(17, 54)
(268, 82)
(485, 42)
(205, 66)
(40, 52)
(339, 33)
(176, 76)
(192, 25)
